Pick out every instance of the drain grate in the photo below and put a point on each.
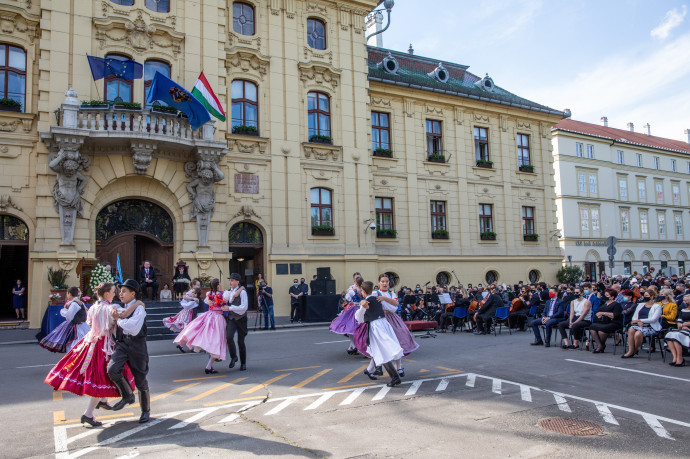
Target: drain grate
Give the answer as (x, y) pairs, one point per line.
(569, 426)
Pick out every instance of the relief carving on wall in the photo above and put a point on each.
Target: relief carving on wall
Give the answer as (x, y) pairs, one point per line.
(381, 101)
(321, 153)
(143, 33)
(319, 74)
(247, 62)
(23, 23)
(478, 117)
(310, 53)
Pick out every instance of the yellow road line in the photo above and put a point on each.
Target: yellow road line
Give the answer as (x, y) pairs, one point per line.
(351, 385)
(301, 368)
(353, 374)
(57, 396)
(199, 379)
(158, 397)
(311, 378)
(449, 369)
(408, 360)
(256, 397)
(58, 417)
(214, 390)
(265, 384)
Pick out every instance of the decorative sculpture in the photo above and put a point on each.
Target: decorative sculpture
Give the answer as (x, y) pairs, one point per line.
(203, 196)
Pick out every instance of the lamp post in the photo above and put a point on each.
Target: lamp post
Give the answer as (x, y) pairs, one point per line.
(388, 5)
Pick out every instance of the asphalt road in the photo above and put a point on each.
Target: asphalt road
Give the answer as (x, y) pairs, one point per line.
(303, 396)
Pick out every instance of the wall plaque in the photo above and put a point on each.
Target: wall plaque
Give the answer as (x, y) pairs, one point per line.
(246, 183)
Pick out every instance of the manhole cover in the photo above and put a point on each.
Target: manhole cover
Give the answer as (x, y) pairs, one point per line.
(571, 426)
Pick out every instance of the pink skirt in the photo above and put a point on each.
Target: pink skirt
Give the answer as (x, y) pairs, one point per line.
(177, 322)
(206, 332)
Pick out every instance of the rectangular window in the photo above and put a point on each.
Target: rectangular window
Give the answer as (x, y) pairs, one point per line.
(688, 167)
(434, 138)
(661, 219)
(623, 187)
(641, 190)
(584, 220)
(380, 131)
(582, 182)
(319, 115)
(523, 150)
(321, 207)
(673, 165)
(384, 214)
(620, 157)
(593, 183)
(644, 223)
(656, 162)
(578, 150)
(676, 193)
(678, 221)
(481, 144)
(590, 151)
(639, 160)
(438, 215)
(528, 220)
(625, 222)
(595, 220)
(627, 268)
(659, 191)
(486, 219)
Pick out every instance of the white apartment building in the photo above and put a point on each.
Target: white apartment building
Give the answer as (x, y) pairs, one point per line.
(631, 185)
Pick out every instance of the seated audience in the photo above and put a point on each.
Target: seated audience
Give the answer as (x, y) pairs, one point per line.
(645, 322)
(679, 340)
(580, 318)
(554, 313)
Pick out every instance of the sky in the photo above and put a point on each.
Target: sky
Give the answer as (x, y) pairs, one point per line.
(628, 60)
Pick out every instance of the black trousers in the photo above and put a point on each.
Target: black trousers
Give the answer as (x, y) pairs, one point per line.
(296, 311)
(131, 350)
(577, 329)
(239, 326)
(154, 289)
(485, 320)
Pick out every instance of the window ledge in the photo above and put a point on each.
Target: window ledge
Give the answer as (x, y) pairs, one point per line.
(241, 143)
(11, 122)
(322, 151)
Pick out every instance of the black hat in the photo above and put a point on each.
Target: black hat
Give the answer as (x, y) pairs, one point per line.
(131, 284)
(235, 276)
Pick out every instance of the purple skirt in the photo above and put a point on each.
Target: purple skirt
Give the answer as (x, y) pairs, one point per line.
(345, 323)
(359, 338)
(404, 336)
(59, 338)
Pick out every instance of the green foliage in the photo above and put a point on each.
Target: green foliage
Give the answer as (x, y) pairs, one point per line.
(436, 158)
(322, 228)
(57, 278)
(320, 139)
(485, 163)
(7, 102)
(164, 109)
(570, 275)
(205, 281)
(527, 168)
(94, 102)
(383, 152)
(488, 235)
(531, 237)
(440, 233)
(246, 130)
(386, 233)
(128, 105)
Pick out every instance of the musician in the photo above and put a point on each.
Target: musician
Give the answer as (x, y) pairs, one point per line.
(419, 310)
(519, 308)
(484, 316)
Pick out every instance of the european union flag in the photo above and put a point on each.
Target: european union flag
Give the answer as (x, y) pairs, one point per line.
(166, 90)
(127, 70)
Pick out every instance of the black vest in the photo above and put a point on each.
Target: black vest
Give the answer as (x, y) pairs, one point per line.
(375, 310)
(80, 316)
(120, 335)
(236, 302)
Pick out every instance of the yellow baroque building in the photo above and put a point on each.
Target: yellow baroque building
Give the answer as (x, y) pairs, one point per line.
(333, 154)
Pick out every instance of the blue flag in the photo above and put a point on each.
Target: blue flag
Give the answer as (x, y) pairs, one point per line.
(127, 70)
(166, 90)
(119, 269)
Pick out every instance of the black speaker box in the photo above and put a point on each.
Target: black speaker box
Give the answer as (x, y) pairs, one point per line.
(318, 287)
(323, 273)
(330, 287)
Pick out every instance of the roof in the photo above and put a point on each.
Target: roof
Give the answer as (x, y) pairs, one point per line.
(413, 72)
(622, 136)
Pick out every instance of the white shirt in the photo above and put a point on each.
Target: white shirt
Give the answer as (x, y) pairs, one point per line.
(244, 303)
(132, 324)
(69, 313)
(387, 306)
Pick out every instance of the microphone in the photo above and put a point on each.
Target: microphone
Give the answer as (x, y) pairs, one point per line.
(427, 283)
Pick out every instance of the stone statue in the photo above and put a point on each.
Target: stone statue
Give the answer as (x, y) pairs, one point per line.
(203, 196)
(68, 188)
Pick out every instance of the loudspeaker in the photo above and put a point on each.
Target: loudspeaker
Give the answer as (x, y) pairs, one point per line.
(318, 287)
(320, 308)
(323, 273)
(330, 287)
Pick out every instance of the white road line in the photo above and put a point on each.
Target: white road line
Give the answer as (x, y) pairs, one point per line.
(381, 393)
(442, 385)
(496, 386)
(654, 423)
(60, 434)
(339, 341)
(36, 366)
(82, 435)
(319, 401)
(67, 455)
(606, 414)
(353, 396)
(525, 393)
(628, 369)
(562, 403)
(191, 419)
(414, 387)
(471, 378)
(230, 418)
(280, 407)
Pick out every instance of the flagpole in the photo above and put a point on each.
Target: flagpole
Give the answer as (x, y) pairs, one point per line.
(94, 81)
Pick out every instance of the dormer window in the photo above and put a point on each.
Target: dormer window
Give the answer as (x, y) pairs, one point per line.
(486, 83)
(389, 64)
(440, 73)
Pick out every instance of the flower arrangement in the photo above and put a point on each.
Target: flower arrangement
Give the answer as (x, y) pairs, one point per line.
(99, 274)
(54, 297)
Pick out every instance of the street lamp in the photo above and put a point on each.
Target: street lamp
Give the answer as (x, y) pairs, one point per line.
(388, 5)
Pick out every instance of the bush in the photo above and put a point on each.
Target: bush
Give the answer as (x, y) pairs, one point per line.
(570, 275)
(7, 102)
(247, 130)
(383, 152)
(316, 138)
(94, 102)
(128, 105)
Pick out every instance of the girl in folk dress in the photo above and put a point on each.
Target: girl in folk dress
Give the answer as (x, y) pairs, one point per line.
(73, 329)
(207, 331)
(176, 323)
(83, 370)
(345, 323)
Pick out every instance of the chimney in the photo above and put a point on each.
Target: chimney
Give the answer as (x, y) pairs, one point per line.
(374, 23)
(567, 113)
(411, 49)
(604, 121)
(631, 127)
(648, 128)
(687, 134)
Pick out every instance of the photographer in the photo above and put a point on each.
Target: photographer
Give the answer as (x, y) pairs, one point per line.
(266, 303)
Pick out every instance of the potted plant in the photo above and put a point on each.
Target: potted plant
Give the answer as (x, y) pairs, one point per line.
(386, 233)
(10, 105)
(487, 236)
(57, 278)
(164, 109)
(127, 106)
(95, 103)
(54, 298)
(383, 153)
(439, 234)
(485, 163)
(205, 285)
(322, 230)
(527, 168)
(530, 237)
(245, 130)
(316, 138)
(436, 158)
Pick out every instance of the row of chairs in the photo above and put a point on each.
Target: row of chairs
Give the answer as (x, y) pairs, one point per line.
(461, 318)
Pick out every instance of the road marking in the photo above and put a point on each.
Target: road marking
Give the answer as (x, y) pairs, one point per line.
(236, 400)
(350, 386)
(353, 374)
(414, 387)
(311, 378)
(353, 396)
(214, 390)
(35, 366)
(408, 360)
(265, 384)
(654, 423)
(230, 418)
(629, 369)
(442, 385)
(525, 393)
(301, 368)
(284, 404)
(381, 393)
(158, 397)
(449, 369)
(57, 396)
(331, 342)
(319, 401)
(562, 403)
(471, 378)
(606, 414)
(191, 419)
(441, 374)
(496, 386)
(199, 379)
(109, 416)
(58, 417)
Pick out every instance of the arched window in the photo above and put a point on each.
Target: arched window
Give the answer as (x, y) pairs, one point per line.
(13, 229)
(443, 278)
(243, 18)
(245, 233)
(13, 74)
(491, 277)
(319, 112)
(245, 111)
(150, 69)
(118, 89)
(159, 6)
(321, 207)
(316, 33)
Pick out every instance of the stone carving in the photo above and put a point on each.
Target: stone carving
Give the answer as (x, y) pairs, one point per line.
(318, 8)
(24, 23)
(310, 53)
(409, 108)
(142, 154)
(248, 146)
(275, 7)
(69, 185)
(478, 117)
(203, 196)
(504, 123)
(248, 62)
(290, 8)
(246, 212)
(434, 110)
(381, 101)
(523, 125)
(9, 126)
(459, 116)
(139, 33)
(321, 153)
(6, 201)
(242, 40)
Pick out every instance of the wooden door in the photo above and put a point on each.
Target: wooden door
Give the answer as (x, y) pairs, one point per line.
(160, 256)
(122, 244)
(134, 248)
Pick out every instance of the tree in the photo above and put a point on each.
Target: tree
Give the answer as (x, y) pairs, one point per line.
(570, 275)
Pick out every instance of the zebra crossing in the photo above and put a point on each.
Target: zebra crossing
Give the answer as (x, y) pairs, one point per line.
(66, 435)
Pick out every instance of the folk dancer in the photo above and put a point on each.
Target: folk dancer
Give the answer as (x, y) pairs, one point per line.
(176, 323)
(345, 323)
(236, 308)
(73, 329)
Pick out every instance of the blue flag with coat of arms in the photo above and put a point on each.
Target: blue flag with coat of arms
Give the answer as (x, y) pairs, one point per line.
(166, 90)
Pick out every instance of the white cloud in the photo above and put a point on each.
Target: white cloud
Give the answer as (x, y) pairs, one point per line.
(672, 19)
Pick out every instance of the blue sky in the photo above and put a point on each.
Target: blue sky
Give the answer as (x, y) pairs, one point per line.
(628, 60)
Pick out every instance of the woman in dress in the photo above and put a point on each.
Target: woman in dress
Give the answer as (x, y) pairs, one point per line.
(607, 319)
(678, 340)
(181, 281)
(190, 300)
(207, 331)
(345, 323)
(73, 329)
(645, 322)
(83, 370)
(166, 293)
(18, 292)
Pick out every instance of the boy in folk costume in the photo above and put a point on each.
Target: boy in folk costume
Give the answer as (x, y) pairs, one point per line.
(130, 347)
(237, 305)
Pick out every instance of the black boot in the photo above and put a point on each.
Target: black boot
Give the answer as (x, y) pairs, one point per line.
(393, 373)
(145, 404)
(104, 406)
(378, 371)
(125, 392)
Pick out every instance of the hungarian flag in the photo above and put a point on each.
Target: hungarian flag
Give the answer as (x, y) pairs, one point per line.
(202, 91)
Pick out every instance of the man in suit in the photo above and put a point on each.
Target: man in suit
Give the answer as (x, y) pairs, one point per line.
(147, 278)
(484, 316)
(554, 313)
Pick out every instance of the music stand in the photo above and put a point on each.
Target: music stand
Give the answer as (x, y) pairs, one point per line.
(428, 333)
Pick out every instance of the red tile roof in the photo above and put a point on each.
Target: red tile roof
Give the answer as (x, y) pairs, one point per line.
(621, 135)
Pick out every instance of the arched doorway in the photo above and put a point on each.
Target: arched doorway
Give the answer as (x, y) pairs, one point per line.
(14, 261)
(136, 230)
(246, 242)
